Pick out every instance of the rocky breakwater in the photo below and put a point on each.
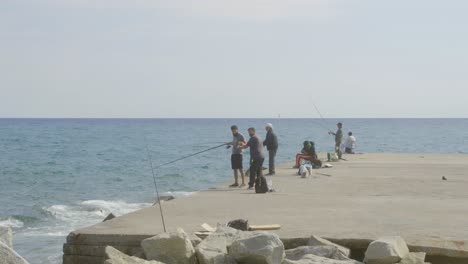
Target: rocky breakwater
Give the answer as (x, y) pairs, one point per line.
(231, 246)
(7, 254)
(390, 250)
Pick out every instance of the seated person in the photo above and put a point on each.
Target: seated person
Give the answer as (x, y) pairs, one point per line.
(307, 153)
(350, 143)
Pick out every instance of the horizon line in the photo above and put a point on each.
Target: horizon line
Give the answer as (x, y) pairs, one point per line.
(330, 118)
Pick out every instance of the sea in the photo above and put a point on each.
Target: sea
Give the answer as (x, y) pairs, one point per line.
(58, 175)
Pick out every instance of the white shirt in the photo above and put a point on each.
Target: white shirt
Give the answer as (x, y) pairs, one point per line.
(351, 142)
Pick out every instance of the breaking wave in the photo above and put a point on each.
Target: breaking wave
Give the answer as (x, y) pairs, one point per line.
(65, 218)
(91, 211)
(11, 222)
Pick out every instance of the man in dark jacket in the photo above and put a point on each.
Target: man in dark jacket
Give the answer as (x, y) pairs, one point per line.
(256, 156)
(271, 142)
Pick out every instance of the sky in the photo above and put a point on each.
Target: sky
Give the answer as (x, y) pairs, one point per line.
(233, 59)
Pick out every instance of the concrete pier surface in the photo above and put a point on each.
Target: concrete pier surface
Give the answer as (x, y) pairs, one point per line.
(367, 196)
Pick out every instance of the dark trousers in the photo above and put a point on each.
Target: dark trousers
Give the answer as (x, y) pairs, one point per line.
(256, 166)
(271, 160)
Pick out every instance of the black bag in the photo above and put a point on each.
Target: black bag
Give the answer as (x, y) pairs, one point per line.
(240, 224)
(261, 185)
(317, 164)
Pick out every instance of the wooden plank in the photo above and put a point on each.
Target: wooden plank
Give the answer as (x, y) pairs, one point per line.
(264, 227)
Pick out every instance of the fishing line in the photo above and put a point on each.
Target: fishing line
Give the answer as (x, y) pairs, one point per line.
(191, 155)
(153, 168)
(321, 116)
(321, 125)
(155, 185)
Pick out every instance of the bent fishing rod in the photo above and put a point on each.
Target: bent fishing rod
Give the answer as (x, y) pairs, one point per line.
(165, 164)
(191, 155)
(322, 118)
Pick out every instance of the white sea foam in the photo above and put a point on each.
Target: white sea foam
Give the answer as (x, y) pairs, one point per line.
(92, 211)
(178, 194)
(115, 207)
(49, 231)
(11, 222)
(86, 213)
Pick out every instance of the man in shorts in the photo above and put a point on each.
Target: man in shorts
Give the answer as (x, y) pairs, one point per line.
(236, 156)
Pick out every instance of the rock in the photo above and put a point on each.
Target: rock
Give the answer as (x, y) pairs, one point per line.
(139, 253)
(114, 256)
(164, 198)
(291, 243)
(6, 236)
(386, 250)
(109, 217)
(313, 259)
(9, 256)
(171, 248)
(327, 251)
(414, 258)
(195, 240)
(213, 249)
(257, 247)
(318, 241)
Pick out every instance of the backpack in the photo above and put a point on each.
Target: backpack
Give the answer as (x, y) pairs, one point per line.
(261, 185)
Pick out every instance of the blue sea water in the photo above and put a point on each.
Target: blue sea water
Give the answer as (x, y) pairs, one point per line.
(57, 175)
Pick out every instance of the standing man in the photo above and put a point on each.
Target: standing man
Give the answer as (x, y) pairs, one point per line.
(271, 143)
(256, 156)
(338, 138)
(236, 156)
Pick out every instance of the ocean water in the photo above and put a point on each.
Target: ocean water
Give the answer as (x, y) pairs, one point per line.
(57, 175)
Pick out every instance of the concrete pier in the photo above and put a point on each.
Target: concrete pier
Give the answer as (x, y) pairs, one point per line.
(356, 201)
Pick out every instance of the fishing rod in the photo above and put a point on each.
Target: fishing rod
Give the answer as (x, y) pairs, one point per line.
(321, 118)
(191, 155)
(156, 186)
(153, 168)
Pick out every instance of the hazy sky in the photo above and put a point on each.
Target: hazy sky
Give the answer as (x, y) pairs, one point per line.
(239, 58)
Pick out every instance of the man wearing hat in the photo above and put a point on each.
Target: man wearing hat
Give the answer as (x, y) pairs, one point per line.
(271, 142)
(338, 138)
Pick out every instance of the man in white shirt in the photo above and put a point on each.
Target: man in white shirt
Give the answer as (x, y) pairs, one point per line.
(350, 143)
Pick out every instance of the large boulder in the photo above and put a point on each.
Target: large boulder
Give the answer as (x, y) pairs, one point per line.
(313, 259)
(414, 258)
(386, 250)
(9, 256)
(327, 251)
(170, 248)
(257, 247)
(318, 241)
(6, 236)
(114, 256)
(213, 249)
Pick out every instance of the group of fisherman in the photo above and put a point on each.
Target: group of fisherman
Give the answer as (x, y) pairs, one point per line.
(257, 153)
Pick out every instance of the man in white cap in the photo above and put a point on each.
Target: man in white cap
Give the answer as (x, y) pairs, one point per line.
(271, 142)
